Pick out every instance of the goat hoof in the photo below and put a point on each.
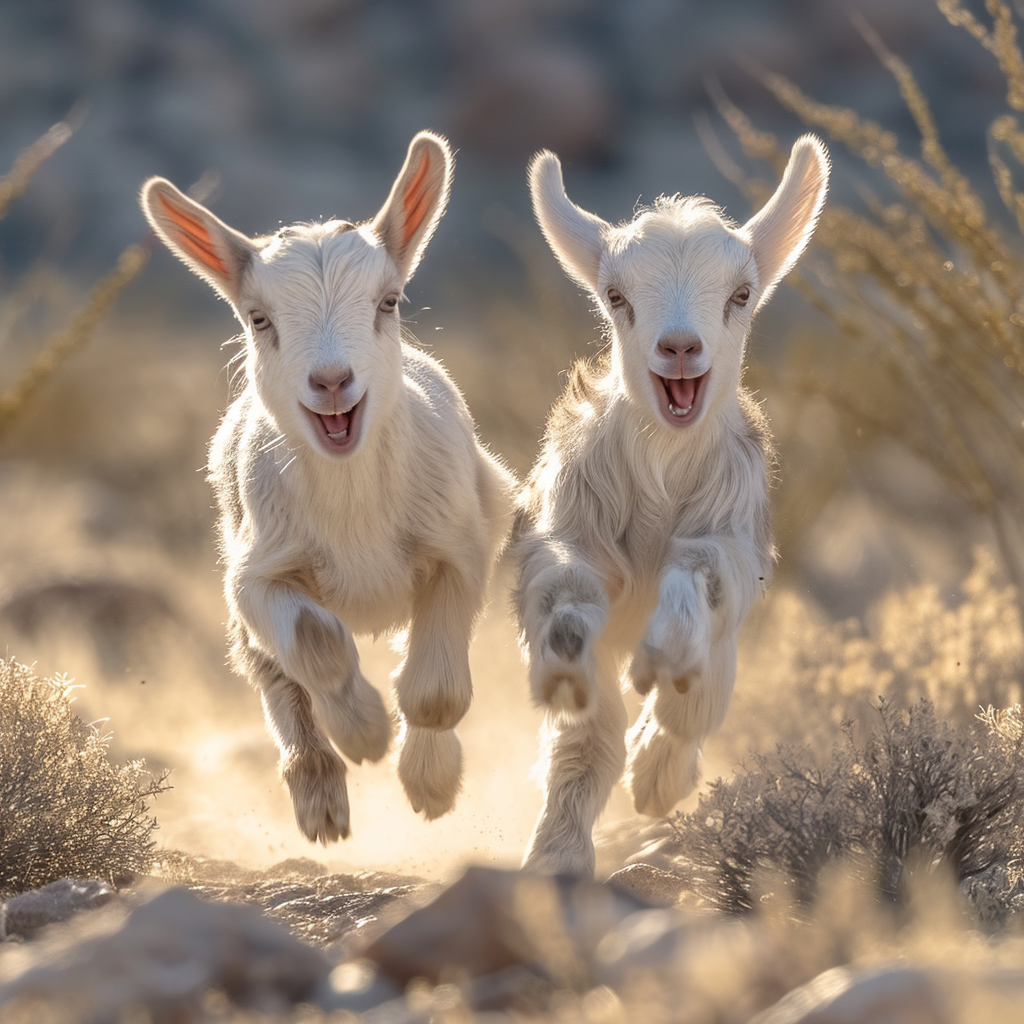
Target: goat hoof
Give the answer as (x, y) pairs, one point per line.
(561, 686)
(316, 782)
(430, 769)
(681, 684)
(641, 673)
(652, 665)
(564, 693)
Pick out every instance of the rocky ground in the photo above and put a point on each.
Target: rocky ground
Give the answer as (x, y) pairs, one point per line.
(296, 944)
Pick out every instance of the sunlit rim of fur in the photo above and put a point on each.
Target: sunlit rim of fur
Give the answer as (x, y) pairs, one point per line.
(681, 207)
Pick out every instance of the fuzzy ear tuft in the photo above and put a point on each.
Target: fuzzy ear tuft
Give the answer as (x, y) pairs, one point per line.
(575, 236)
(413, 209)
(217, 253)
(779, 233)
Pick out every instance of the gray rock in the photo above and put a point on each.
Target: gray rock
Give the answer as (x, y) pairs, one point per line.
(893, 995)
(650, 884)
(355, 986)
(492, 920)
(647, 942)
(165, 958)
(26, 914)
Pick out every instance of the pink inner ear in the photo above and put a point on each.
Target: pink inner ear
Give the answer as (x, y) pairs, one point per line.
(416, 200)
(193, 237)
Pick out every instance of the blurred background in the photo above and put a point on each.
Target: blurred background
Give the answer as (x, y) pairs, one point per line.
(302, 111)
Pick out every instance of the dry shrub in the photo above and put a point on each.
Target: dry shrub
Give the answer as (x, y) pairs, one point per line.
(915, 793)
(804, 676)
(898, 745)
(67, 810)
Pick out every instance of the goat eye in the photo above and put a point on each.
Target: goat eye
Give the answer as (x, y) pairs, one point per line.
(389, 305)
(741, 295)
(259, 320)
(615, 298)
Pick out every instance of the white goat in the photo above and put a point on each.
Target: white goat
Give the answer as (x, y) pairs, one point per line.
(354, 495)
(644, 527)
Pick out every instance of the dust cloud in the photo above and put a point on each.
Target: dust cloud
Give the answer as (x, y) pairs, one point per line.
(108, 573)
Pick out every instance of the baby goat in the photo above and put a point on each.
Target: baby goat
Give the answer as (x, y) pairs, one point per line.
(644, 527)
(354, 495)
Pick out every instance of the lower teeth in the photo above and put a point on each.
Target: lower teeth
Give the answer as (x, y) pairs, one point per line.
(676, 411)
(340, 436)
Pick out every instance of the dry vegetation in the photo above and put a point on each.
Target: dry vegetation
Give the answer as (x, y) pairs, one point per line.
(916, 793)
(101, 298)
(68, 811)
(925, 289)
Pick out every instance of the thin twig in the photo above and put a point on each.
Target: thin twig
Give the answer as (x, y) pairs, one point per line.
(29, 160)
(65, 344)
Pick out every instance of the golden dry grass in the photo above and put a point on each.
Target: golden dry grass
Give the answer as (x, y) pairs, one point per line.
(925, 290)
(99, 301)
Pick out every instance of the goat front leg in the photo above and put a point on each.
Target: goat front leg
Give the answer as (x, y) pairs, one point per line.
(707, 586)
(562, 608)
(434, 688)
(688, 659)
(314, 649)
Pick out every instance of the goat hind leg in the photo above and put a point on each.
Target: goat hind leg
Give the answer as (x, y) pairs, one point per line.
(585, 757)
(312, 771)
(661, 768)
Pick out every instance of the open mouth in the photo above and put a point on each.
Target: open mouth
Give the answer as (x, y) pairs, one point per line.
(338, 432)
(679, 399)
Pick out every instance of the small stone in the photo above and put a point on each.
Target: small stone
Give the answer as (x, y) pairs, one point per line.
(895, 995)
(28, 913)
(167, 956)
(650, 884)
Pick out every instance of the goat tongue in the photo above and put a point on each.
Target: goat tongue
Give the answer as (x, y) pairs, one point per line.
(336, 424)
(681, 392)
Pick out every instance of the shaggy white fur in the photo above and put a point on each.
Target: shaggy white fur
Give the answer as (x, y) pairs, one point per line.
(642, 535)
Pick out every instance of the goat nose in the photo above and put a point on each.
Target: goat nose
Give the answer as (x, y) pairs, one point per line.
(329, 380)
(679, 344)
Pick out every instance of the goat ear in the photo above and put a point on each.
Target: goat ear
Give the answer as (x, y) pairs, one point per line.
(779, 233)
(417, 201)
(575, 236)
(205, 244)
